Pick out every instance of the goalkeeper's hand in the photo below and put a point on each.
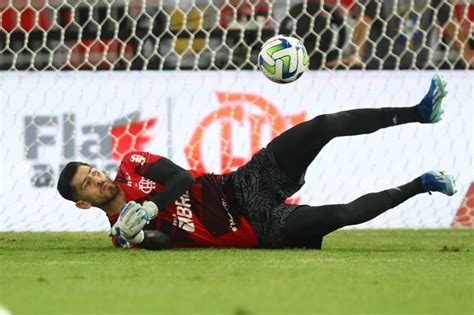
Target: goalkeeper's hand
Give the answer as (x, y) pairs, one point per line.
(151, 210)
(133, 217)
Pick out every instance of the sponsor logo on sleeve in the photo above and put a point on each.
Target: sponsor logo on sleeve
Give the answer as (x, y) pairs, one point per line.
(137, 158)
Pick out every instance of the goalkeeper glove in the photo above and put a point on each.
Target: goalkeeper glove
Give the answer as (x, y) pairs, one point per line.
(133, 217)
(131, 221)
(115, 230)
(151, 210)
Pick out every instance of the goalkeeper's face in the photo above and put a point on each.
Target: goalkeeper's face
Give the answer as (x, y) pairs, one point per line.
(93, 187)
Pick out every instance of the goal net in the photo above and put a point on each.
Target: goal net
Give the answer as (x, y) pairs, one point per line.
(94, 80)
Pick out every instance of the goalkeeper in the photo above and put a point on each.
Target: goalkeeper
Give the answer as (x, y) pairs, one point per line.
(155, 204)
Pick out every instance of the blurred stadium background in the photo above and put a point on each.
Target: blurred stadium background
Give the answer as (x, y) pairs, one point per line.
(215, 35)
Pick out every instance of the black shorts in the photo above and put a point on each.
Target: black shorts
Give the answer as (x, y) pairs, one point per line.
(260, 187)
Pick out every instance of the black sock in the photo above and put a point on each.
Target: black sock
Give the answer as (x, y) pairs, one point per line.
(402, 115)
(404, 192)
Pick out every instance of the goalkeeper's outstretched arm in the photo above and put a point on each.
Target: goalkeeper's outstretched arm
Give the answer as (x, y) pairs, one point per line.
(175, 180)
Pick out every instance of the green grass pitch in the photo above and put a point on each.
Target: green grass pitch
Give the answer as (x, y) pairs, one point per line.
(357, 272)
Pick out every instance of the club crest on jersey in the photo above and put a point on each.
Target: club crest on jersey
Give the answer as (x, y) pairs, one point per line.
(146, 185)
(184, 216)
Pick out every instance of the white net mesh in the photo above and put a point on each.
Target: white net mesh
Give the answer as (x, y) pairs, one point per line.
(210, 35)
(214, 117)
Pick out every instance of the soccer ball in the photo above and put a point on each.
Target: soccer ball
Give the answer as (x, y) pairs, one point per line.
(283, 59)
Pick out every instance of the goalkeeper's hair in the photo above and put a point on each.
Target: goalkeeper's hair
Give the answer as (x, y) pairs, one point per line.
(65, 178)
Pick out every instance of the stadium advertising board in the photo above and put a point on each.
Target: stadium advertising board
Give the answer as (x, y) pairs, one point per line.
(214, 121)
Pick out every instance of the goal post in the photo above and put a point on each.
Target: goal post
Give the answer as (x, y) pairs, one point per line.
(91, 81)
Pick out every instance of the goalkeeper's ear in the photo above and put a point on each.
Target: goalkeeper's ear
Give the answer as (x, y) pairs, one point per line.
(81, 204)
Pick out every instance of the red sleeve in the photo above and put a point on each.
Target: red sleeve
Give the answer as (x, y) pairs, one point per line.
(139, 161)
(174, 179)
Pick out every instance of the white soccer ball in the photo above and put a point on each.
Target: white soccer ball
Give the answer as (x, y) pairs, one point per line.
(283, 59)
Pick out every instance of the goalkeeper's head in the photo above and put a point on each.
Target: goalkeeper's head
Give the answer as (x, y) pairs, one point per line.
(86, 186)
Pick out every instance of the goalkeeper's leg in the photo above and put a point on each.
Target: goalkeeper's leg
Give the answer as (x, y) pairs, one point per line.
(307, 224)
(297, 147)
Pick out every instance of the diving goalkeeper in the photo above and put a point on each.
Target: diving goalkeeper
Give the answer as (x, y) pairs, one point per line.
(155, 204)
